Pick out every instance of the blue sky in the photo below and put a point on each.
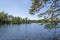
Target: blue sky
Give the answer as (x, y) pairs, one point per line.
(17, 8)
(20, 8)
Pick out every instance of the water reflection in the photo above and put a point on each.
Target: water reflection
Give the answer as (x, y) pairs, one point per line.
(32, 31)
(55, 32)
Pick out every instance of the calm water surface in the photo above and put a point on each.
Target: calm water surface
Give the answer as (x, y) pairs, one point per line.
(33, 31)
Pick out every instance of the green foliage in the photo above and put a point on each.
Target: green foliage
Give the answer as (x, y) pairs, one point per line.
(9, 19)
(52, 13)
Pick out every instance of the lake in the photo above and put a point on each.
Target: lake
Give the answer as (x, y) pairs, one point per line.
(33, 31)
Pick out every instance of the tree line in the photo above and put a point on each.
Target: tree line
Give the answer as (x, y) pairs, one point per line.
(9, 19)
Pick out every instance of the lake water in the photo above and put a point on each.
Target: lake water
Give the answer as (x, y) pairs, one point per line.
(33, 31)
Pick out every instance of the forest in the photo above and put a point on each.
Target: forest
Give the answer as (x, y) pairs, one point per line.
(9, 19)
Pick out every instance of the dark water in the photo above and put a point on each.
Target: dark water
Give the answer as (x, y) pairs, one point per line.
(33, 31)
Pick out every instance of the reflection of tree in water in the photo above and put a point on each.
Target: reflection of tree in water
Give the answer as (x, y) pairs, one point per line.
(51, 26)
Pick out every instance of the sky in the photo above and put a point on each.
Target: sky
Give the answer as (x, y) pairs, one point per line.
(20, 8)
(17, 8)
